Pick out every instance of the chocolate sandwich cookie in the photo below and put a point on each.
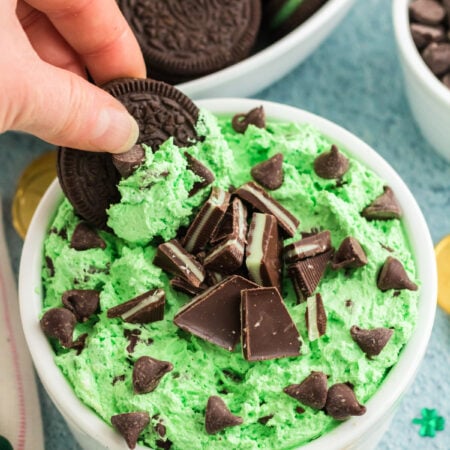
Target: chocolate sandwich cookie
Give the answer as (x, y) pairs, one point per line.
(89, 180)
(182, 40)
(283, 16)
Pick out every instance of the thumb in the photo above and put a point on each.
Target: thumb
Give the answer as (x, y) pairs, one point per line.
(64, 109)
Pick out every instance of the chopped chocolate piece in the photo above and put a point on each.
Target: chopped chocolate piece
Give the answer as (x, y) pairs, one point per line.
(424, 34)
(118, 378)
(213, 278)
(233, 376)
(180, 284)
(332, 164)
(428, 12)
(371, 342)
(173, 258)
(231, 224)
(384, 207)
(145, 308)
(126, 163)
(79, 343)
(206, 221)
(306, 274)
(269, 174)
(263, 253)
(387, 248)
(147, 373)
(165, 445)
(207, 177)
(312, 391)
(133, 337)
(299, 410)
(59, 323)
(268, 331)
(218, 416)
(50, 266)
(255, 116)
(214, 315)
(85, 238)
(262, 201)
(350, 255)
(130, 425)
(228, 255)
(394, 276)
(437, 57)
(263, 420)
(311, 245)
(82, 302)
(160, 429)
(316, 318)
(342, 403)
(348, 303)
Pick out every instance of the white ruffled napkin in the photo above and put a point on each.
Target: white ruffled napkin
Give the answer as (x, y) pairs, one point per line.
(20, 416)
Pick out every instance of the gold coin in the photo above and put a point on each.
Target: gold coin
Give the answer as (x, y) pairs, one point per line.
(443, 267)
(31, 186)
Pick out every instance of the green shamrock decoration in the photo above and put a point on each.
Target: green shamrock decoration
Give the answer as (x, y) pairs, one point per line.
(430, 422)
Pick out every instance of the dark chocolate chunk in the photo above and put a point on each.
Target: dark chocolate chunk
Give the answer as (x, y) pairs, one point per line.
(50, 266)
(394, 276)
(206, 221)
(147, 373)
(180, 284)
(315, 317)
(307, 273)
(118, 378)
(255, 116)
(165, 445)
(350, 255)
(263, 420)
(312, 391)
(126, 163)
(207, 177)
(79, 343)
(269, 174)
(384, 207)
(218, 416)
(299, 410)
(130, 425)
(214, 315)
(371, 342)
(231, 223)
(263, 253)
(268, 331)
(428, 12)
(312, 245)
(342, 403)
(257, 197)
(82, 302)
(160, 429)
(85, 238)
(59, 323)
(228, 254)
(145, 308)
(133, 338)
(424, 34)
(437, 57)
(332, 164)
(173, 258)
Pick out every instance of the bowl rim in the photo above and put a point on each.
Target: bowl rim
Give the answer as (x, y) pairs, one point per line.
(411, 55)
(397, 381)
(240, 69)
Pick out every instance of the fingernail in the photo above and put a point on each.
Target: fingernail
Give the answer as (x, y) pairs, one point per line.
(116, 131)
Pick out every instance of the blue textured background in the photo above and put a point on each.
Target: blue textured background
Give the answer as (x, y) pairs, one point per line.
(354, 80)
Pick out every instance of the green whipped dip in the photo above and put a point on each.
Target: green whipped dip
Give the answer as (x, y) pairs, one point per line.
(154, 205)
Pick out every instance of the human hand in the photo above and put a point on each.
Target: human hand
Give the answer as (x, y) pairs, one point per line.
(45, 48)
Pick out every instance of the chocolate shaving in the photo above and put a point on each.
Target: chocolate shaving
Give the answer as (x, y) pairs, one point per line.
(126, 163)
(311, 245)
(263, 202)
(79, 343)
(82, 302)
(255, 116)
(350, 255)
(147, 373)
(59, 323)
(214, 315)
(269, 174)
(50, 266)
(312, 391)
(218, 416)
(118, 378)
(268, 331)
(332, 164)
(85, 238)
(384, 207)
(130, 426)
(315, 317)
(371, 342)
(145, 308)
(342, 403)
(207, 177)
(263, 420)
(393, 276)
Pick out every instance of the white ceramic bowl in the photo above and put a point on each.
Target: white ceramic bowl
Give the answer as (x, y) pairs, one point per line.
(360, 432)
(428, 97)
(270, 64)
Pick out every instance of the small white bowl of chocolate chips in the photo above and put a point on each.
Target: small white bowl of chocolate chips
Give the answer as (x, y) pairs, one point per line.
(422, 30)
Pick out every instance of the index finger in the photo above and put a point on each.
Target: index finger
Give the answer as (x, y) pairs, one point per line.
(99, 33)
